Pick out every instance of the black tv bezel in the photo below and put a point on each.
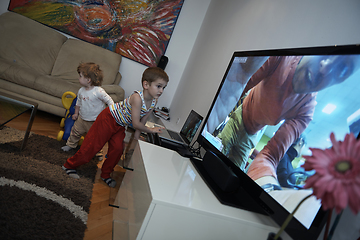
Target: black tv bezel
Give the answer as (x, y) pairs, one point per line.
(265, 204)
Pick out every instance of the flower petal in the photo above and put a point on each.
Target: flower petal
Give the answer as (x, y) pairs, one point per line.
(340, 196)
(310, 181)
(327, 201)
(333, 186)
(353, 200)
(336, 188)
(335, 144)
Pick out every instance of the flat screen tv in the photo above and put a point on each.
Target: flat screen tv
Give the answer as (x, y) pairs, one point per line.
(268, 103)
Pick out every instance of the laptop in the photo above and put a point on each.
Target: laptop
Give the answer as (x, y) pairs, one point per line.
(187, 132)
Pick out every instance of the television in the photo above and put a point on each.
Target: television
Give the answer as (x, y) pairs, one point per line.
(266, 100)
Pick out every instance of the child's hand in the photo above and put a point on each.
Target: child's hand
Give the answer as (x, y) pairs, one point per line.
(74, 116)
(157, 129)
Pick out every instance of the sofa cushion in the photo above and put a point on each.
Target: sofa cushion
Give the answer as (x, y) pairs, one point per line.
(74, 51)
(13, 72)
(30, 94)
(55, 86)
(29, 43)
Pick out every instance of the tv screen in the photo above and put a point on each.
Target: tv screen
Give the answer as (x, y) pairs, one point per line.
(270, 108)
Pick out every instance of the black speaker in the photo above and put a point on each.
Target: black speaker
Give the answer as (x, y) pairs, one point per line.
(163, 62)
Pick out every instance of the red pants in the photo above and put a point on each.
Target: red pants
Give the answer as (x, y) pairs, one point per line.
(104, 130)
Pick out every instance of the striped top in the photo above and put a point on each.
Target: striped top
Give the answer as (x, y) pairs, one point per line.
(121, 111)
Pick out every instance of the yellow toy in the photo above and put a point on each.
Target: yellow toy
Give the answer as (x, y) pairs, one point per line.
(68, 100)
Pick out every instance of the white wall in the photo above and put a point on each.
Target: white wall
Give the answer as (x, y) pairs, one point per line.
(4, 5)
(178, 50)
(252, 25)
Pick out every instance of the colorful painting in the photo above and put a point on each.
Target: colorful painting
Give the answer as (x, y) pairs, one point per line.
(139, 30)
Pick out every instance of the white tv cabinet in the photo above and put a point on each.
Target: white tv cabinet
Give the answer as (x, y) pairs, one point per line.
(164, 198)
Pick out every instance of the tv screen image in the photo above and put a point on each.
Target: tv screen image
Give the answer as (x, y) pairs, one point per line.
(270, 108)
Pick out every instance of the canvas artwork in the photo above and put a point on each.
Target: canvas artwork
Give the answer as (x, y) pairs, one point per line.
(139, 30)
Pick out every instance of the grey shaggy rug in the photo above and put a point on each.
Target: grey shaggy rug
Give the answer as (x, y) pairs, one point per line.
(37, 199)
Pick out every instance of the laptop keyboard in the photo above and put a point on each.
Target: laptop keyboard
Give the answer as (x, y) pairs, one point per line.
(175, 136)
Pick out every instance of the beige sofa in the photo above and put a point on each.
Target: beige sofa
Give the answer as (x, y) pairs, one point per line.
(39, 63)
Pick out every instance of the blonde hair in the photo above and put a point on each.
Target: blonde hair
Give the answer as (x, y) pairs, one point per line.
(152, 74)
(92, 71)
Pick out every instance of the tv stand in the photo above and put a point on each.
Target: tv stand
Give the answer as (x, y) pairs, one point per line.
(164, 197)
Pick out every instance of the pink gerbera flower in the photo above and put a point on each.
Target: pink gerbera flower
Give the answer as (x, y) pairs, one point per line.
(337, 178)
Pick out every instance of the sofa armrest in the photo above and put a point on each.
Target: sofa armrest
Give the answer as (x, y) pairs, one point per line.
(117, 79)
(116, 92)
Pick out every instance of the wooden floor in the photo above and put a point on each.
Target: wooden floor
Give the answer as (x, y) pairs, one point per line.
(100, 218)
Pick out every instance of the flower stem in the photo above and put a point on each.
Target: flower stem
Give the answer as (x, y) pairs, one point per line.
(332, 230)
(288, 219)
(328, 222)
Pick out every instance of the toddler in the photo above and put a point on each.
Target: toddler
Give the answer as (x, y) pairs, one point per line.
(91, 100)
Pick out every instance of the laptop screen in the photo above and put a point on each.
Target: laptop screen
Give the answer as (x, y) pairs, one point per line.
(191, 126)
